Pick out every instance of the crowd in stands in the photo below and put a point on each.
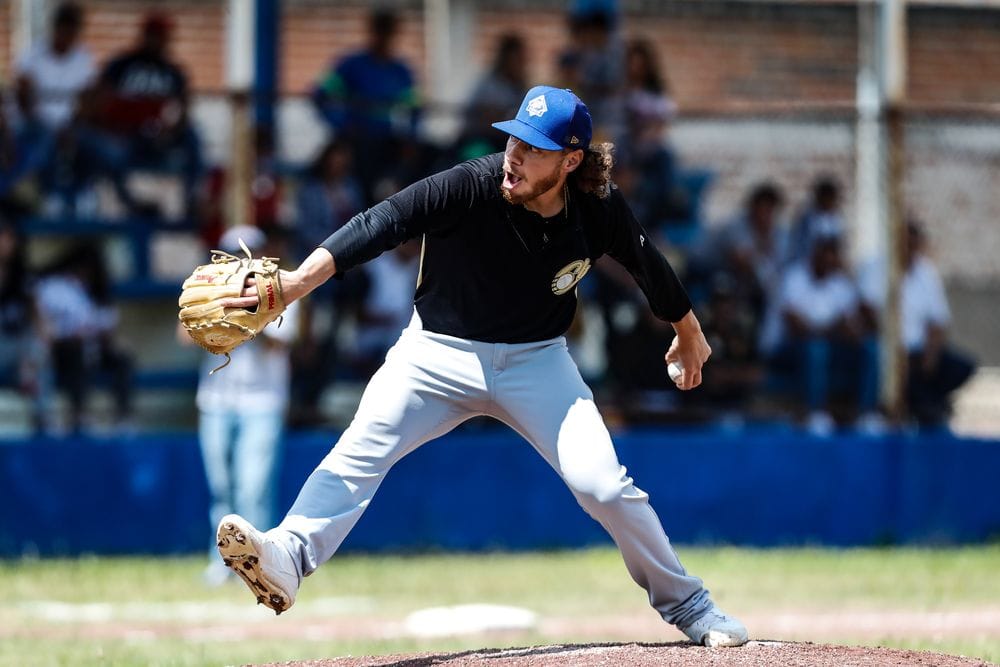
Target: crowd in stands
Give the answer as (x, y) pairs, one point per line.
(72, 123)
(793, 321)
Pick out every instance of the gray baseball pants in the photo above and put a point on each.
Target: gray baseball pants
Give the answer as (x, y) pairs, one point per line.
(429, 384)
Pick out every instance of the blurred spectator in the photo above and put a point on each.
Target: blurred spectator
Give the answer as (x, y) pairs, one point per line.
(648, 105)
(23, 354)
(142, 100)
(370, 98)
(328, 197)
(24, 150)
(496, 95)
(593, 65)
(737, 370)
(266, 189)
(753, 249)
(53, 80)
(814, 333)
(52, 74)
(821, 216)
(387, 306)
(636, 384)
(268, 207)
(646, 163)
(72, 162)
(411, 161)
(80, 318)
(242, 410)
(213, 210)
(934, 368)
(735, 274)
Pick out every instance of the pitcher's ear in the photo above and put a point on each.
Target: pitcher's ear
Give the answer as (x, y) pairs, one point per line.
(573, 160)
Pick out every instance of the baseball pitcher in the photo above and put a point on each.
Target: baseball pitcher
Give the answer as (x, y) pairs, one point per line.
(506, 238)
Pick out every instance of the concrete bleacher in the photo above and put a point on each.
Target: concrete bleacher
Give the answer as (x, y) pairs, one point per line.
(977, 405)
(147, 258)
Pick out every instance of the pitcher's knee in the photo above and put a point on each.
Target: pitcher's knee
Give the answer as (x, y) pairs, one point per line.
(598, 491)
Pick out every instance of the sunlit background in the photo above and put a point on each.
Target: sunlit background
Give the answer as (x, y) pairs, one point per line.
(824, 176)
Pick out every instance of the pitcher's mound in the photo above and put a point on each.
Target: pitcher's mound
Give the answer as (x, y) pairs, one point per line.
(657, 655)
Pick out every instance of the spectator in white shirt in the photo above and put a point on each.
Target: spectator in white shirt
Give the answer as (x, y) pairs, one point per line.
(814, 332)
(24, 360)
(55, 96)
(80, 319)
(54, 73)
(934, 369)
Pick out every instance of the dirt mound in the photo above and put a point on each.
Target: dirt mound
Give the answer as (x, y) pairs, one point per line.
(657, 655)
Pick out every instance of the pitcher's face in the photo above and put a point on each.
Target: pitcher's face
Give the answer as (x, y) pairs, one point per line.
(529, 172)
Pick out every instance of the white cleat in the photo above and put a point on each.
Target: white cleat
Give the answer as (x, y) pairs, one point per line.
(715, 629)
(265, 566)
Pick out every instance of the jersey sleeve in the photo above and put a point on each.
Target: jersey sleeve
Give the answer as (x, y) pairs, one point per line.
(431, 204)
(631, 246)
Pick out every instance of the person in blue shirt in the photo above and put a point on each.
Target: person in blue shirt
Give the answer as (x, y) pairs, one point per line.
(369, 97)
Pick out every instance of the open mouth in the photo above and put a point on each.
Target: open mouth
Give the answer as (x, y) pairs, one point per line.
(510, 180)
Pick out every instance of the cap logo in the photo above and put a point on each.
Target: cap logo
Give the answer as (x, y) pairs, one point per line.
(537, 106)
(574, 140)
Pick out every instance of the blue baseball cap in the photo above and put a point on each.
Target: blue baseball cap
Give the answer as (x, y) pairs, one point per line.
(550, 119)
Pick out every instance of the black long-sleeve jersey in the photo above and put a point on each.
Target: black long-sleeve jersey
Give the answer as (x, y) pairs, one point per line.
(495, 272)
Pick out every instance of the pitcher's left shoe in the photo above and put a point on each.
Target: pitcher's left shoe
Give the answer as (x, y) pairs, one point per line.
(715, 629)
(262, 563)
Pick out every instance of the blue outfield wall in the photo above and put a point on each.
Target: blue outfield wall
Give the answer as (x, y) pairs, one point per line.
(485, 489)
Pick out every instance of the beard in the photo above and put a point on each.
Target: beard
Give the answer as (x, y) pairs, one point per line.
(543, 185)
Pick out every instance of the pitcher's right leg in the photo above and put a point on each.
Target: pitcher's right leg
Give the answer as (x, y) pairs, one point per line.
(263, 564)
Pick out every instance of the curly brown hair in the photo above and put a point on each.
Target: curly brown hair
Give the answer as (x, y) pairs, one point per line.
(594, 173)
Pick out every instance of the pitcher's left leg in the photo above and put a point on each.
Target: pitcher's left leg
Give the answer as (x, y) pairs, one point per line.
(558, 416)
(546, 400)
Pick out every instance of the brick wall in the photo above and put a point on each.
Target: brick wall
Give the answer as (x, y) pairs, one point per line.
(757, 54)
(6, 47)
(112, 26)
(715, 53)
(954, 55)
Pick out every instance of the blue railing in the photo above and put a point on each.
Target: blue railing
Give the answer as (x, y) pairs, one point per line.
(484, 489)
(137, 231)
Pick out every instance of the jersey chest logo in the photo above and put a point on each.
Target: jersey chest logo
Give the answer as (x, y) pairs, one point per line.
(569, 275)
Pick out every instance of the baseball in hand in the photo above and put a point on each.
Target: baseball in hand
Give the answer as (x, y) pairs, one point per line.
(675, 371)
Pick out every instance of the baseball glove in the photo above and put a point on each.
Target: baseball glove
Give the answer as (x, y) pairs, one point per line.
(221, 329)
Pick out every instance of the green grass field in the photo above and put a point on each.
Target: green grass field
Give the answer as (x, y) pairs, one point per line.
(129, 611)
